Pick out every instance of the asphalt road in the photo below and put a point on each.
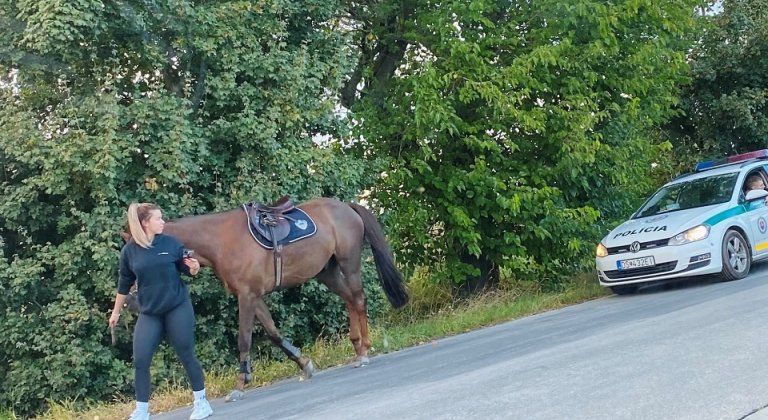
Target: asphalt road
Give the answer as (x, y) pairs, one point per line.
(694, 350)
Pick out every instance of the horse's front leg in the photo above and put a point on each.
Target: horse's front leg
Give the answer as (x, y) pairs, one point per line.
(265, 318)
(247, 308)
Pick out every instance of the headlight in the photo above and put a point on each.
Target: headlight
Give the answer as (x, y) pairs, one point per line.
(601, 250)
(691, 235)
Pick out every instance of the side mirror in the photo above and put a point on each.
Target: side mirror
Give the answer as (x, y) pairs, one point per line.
(753, 195)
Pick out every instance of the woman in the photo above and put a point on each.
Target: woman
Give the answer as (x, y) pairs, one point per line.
(154, 261)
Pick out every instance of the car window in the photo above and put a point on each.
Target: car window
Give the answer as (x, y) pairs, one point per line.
(752, 174)
(691, 194)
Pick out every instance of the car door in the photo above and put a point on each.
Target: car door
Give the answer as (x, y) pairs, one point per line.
(757, 220)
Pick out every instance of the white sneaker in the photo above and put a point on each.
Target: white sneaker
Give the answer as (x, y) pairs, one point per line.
(201, 410)
(139, 415)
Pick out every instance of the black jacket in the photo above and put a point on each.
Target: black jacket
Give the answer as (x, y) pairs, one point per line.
(157, 272)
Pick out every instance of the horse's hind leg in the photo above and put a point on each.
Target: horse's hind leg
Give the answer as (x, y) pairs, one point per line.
(265, 318)
(344, 279)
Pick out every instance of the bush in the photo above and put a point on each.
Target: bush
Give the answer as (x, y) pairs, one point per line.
(197, 108)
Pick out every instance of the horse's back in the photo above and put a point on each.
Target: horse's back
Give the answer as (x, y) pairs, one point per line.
(337, 218)
(337, 211)
(323, 202)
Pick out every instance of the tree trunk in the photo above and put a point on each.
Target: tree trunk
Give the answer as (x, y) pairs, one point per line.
(488, 277)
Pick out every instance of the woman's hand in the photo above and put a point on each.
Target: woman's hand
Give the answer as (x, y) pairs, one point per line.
(193, 264)
(119, 300)
(114, 318)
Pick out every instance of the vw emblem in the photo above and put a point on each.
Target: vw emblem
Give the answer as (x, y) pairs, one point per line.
(635, 247)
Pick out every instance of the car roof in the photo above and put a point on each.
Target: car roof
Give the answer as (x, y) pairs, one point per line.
(725, 169)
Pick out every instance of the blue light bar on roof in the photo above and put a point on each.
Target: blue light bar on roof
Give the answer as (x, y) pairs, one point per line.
(758, 154)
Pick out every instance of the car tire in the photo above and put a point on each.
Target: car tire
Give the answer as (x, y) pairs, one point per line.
(626, 289)
(737, 256)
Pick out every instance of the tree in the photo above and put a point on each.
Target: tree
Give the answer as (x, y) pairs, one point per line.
(197, 106)
(725, 103)
(512, 126)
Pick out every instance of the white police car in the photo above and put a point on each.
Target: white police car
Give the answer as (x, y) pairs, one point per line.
(700, 223)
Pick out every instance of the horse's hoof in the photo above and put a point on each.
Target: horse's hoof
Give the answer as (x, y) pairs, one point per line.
(362, 361)
(307, 371)
(235, 395)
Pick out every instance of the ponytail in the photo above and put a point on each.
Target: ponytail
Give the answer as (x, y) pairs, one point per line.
(137, 213)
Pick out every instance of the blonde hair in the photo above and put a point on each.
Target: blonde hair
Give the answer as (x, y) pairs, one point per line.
(137, 213)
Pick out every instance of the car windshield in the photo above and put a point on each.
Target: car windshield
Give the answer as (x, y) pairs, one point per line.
(687, 195)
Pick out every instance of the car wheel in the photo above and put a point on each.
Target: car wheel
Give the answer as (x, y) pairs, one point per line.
(627, 289)
(737, 257)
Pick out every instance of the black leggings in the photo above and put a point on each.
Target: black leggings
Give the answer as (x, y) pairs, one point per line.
(178, 325)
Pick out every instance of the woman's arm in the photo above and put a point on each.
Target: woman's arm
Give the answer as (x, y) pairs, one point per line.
(126, 275)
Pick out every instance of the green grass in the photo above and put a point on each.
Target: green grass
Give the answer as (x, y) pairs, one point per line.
(422, 321)
(7, 414)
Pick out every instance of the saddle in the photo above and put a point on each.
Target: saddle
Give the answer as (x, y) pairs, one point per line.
(283, 205)
(271, 222)
(275, 225)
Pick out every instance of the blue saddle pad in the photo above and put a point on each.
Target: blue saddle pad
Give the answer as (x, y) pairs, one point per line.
(302, 226)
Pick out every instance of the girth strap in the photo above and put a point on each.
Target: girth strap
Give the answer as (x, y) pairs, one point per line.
(270, 220)
(277, 255)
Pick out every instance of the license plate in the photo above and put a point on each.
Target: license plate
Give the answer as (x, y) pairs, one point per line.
(636, 263)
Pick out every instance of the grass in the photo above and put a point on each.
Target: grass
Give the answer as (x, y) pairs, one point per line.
(7, 414)
(422, 321)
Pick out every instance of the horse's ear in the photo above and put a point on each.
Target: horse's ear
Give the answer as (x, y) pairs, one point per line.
(126, 236)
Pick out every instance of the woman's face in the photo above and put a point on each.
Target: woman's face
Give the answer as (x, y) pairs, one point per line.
(154, 225)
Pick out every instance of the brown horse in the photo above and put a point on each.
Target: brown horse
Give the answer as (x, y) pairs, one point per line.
(333, 256)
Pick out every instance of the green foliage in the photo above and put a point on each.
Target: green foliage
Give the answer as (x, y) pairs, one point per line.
(508, 134)
(197, 106)
(515, 130)
(725, 104)
(427, 297)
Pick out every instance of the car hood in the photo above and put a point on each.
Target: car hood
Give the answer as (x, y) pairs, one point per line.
(661, 226)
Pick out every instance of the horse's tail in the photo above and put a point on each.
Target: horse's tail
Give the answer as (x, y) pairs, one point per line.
(391, 280)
